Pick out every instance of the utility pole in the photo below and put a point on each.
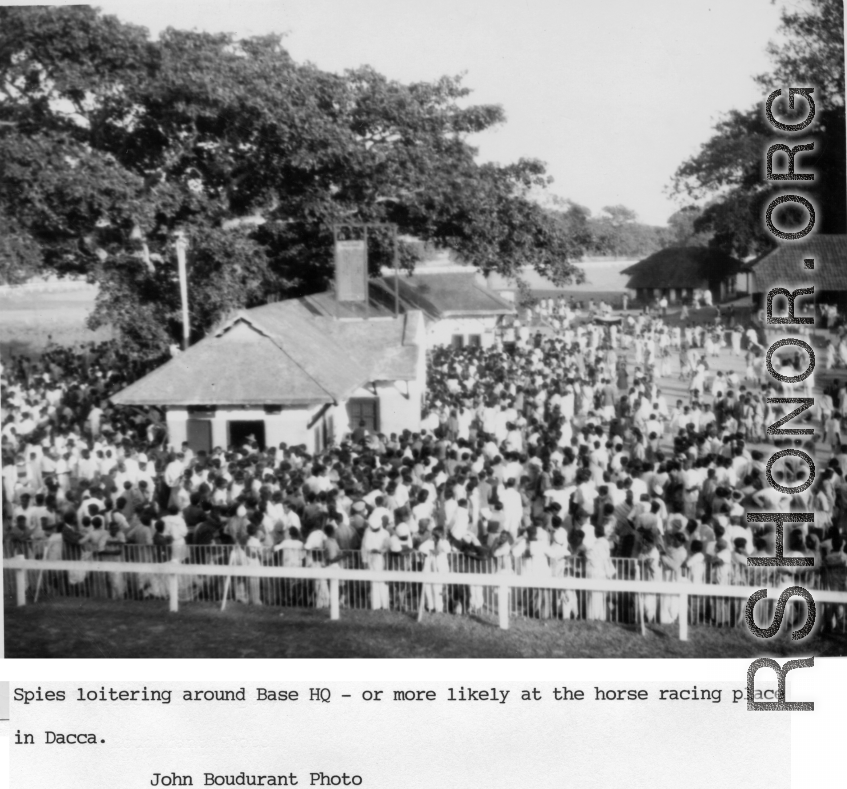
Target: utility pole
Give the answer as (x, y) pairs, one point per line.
(395, 260)
(181, 246)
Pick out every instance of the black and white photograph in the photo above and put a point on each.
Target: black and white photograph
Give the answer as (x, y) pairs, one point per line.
(424, 330)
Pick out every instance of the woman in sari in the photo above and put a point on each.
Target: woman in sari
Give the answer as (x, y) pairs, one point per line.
(157, 584)
(375, 545)
(622, 375)
(331, 555)
(684, 364)
(314, 554)
(722, 576)
(436, 551)
(672, 562)
(598, 564)
(650, 567)
(536, 564)
(559, 554)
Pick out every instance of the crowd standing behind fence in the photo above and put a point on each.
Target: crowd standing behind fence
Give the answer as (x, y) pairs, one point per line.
(552, 454)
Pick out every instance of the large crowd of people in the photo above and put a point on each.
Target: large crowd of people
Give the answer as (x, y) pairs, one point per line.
(553, 452)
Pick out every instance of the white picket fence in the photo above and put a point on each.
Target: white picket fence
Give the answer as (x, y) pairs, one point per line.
(335, 575)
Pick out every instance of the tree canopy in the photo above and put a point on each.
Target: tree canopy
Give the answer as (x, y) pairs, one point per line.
(615, 232)
(111, 142)
(728, 173)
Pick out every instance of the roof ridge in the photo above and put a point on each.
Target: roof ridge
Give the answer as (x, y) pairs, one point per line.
(258, 326)
(483, 288)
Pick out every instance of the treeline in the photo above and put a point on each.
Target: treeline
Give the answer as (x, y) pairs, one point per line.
(727, 176)
(725, 185)
(616, 231)
(114, 144)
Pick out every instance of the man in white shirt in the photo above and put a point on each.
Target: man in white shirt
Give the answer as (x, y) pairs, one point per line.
(173, 476)
(460, 521)
(86, 466)
(379, 513)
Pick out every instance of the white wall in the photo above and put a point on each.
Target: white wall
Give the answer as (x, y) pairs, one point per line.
(441, 332)
(399, 409)
(290, 425)
(399, 404)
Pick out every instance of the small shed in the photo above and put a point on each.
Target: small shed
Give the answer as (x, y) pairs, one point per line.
(677, 272)
(459, 308)
(281, 373)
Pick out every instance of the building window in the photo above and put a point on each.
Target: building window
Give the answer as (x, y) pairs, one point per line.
(363, 409)
(458, 341)
(475, 340)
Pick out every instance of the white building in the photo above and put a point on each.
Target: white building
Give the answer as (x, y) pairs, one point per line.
(282, 373)
(458, 307)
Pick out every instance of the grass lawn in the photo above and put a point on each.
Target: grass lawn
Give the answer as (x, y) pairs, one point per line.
(93, 628)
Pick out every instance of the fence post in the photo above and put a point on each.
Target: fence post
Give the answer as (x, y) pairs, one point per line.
(683, 616)
(503, 606)
(334, 594)
(20, 587)
(173, 593)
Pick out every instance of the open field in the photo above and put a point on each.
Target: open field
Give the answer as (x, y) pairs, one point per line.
(603, 278)
(92, 628)
(28, 316)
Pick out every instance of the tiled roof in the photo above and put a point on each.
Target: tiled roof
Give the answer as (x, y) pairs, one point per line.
(682, 267)
(325, 304)
(448, 294)
(784, 266)
(282, 354)
(241, 366)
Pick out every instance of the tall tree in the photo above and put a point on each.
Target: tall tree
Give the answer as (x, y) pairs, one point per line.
(575, 219)
(618, 232)
(111, 142)
(681, 230)
(729, 170)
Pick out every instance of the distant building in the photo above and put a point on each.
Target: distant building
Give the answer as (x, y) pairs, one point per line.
(678, 271)
(785, 267)
(459, 308)
(285, 373)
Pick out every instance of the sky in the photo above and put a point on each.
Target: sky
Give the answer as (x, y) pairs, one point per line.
(613, 95)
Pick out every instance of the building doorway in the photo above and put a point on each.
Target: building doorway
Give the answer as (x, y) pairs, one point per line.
(199, 435)
(240, 432)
